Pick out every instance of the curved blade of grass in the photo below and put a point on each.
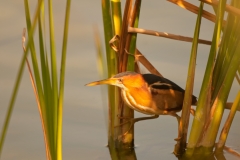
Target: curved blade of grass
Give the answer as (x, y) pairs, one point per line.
(39, 109)
(18, 79)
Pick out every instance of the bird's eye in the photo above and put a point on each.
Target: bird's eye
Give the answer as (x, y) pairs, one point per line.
(120, 80)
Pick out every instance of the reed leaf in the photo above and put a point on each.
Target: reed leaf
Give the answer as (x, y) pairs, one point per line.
(62, 80)
(203, 105)
(224, 133)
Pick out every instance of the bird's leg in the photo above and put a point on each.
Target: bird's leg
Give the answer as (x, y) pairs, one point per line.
(179, 125)
(134, 120)
(192, 111)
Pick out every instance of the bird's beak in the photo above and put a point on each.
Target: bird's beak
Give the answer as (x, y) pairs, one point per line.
(111, 81)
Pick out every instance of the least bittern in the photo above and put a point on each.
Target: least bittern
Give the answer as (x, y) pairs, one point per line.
(148, 94)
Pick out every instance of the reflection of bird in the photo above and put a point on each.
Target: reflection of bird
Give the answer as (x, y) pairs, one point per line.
(148, 94)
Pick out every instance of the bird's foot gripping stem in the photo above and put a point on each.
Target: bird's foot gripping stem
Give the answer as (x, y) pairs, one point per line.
(134, 120)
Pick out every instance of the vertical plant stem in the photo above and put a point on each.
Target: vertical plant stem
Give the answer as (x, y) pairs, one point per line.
(54, 75)
(189, 86)
(116, 16)
(123, 56)
(117, 26)
(62, 79)
(112, 64)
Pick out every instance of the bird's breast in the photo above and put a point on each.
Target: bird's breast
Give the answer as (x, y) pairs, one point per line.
(138, 101)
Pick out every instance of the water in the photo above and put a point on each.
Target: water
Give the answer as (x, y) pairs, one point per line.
(84, 122)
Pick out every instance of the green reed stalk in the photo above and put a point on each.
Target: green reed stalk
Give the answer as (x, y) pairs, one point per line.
(111, 67)
(189, 86)
(203, 105)
(221, 99)
(62, 80)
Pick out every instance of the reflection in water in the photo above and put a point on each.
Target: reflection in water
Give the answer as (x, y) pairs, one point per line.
(211, 156)
(122, 154)
(129, 154)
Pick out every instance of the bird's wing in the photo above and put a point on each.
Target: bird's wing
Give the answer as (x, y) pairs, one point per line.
(166, 93)
(157, 82)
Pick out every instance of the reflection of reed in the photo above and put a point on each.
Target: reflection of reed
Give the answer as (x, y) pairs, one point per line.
(121, 153)
(217, 155)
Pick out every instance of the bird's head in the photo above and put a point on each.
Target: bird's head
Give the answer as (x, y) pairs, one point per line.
(124, 80)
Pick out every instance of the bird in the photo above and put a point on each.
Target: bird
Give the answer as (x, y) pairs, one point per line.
(148, 94)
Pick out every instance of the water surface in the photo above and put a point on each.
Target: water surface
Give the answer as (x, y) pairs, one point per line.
(84, 124)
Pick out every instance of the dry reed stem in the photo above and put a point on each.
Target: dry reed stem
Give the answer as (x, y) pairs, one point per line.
(230, 150)
(166, 35)
(143, 60)
(229, 8)
(139, 57)
(192, 8)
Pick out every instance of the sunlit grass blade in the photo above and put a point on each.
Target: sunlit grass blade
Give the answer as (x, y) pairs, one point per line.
(116, 16)
(18, 79)
(62, 80)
